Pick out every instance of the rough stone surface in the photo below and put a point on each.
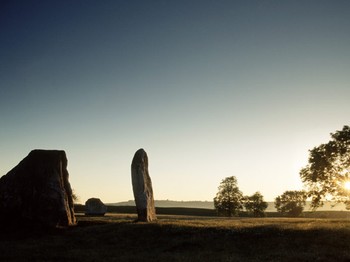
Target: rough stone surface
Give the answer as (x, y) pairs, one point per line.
(142, 187)
(95, 207)
(37, 191)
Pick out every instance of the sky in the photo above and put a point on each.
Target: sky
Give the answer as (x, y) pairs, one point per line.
(209, 89)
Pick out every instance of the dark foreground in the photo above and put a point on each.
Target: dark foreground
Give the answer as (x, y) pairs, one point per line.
(181, 238)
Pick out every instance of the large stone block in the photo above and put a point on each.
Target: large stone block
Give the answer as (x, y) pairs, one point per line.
(37, 191)
(95, 207)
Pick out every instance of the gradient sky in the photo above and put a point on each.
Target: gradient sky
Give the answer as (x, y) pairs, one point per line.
(209, 89)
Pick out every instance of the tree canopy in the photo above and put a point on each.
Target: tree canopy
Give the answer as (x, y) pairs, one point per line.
(327, 174)
(291, 203)
(255, 204)
(228, 200)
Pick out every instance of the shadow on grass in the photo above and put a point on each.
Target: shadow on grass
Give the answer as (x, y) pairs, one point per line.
(124, 240)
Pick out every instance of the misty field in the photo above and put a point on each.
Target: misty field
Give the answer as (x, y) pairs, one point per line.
(115, 237)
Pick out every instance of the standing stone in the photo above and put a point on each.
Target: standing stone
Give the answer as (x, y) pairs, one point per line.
(37, 191)
(95, 207)
(142, 187)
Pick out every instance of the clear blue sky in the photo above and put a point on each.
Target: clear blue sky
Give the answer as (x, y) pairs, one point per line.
(209, 89)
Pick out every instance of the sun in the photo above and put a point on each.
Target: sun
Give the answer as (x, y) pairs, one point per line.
(347, 185)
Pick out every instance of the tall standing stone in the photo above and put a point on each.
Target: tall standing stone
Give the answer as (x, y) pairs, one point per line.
(142, 187)
(37, 191)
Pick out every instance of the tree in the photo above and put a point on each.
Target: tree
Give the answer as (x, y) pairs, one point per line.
(327, 174)
(228, 200)
(291, 203)
(75, 197)
(255, 204)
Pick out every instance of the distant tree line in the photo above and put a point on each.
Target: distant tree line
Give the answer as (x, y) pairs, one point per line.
(229, 201)
(326, 177)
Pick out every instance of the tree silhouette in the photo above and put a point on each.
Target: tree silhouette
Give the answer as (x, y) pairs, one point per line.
(255, 204)
(75, 197)
(228, 200)
(291, 203)
(327, 174)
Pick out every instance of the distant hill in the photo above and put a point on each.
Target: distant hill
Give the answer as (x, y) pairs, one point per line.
(210, 205)
(171, 203)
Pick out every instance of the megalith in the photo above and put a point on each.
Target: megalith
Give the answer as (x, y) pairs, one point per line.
(95, 207)
(37, 191)
(142, 187)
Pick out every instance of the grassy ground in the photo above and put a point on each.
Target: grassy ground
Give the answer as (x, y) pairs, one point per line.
(211, 212)
(115, 237)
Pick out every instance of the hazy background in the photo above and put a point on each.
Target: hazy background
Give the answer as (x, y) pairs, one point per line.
(209, 89)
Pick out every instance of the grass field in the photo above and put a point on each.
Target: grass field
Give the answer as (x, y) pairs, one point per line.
(211, 212)
(115, 237)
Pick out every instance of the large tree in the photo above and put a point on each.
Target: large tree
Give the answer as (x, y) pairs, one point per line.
(327, 174)
(255, 204)
(291, 203)
(228, 200)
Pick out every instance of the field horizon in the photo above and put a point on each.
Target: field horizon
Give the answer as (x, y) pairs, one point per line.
(204, 212)
(328, 206)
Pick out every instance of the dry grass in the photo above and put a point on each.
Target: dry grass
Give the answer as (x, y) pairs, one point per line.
(116, 237)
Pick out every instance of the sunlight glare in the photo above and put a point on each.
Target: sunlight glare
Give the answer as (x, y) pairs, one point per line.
(347, 185)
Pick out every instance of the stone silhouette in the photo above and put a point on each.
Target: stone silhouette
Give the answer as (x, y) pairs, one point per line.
(37, 191)
(95, 207)
(142, 187)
